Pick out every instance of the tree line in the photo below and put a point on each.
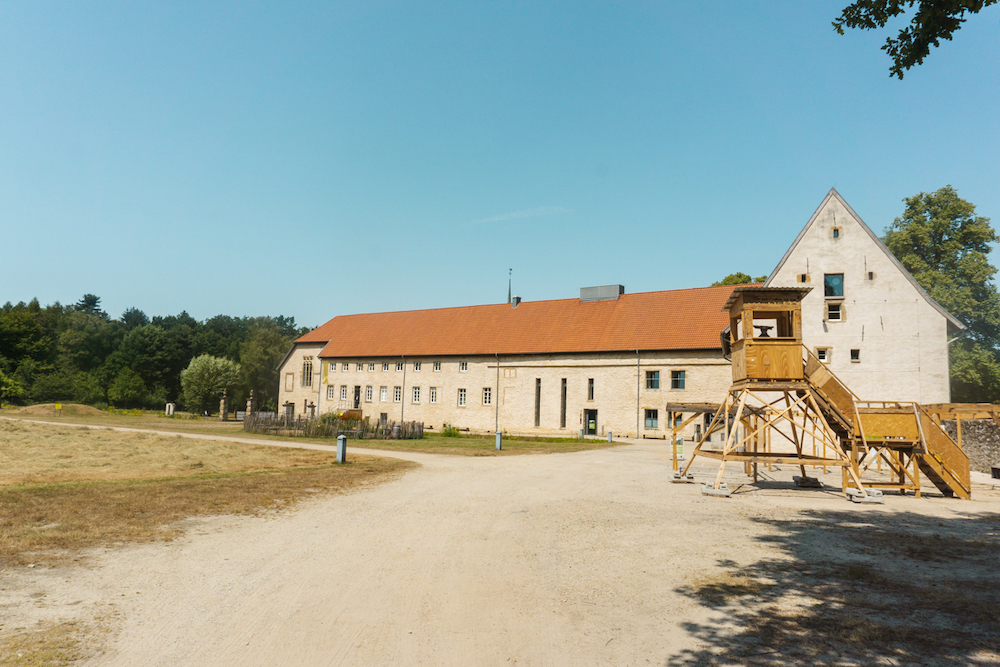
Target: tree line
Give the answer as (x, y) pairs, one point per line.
(78, 353)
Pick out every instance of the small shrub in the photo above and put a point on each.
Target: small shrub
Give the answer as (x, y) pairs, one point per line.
(449, 431)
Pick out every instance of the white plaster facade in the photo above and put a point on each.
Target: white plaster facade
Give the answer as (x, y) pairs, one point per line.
(618, 402)
(890, 341)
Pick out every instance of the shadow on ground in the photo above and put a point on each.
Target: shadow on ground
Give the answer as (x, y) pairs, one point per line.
(857, 588)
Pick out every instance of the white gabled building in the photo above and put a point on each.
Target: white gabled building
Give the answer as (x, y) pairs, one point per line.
(866, 316)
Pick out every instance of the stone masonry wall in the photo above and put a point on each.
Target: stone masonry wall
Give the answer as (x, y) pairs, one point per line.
(980, 440)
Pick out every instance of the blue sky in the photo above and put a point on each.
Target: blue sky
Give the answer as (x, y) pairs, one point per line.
(317, 159)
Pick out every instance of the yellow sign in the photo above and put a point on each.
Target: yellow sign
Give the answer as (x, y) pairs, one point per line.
(58, 406)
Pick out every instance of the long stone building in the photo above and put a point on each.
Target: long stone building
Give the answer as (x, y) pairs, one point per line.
(610, 361)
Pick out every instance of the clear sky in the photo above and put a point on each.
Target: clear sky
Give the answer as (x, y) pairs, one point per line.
(318, 159)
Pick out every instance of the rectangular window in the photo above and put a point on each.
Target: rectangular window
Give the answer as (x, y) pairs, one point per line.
(437, 365)
(823, 353)
(397, 394)
(368, 394)
(330, 392)
(416, 365)
(590, 389)
(836, 232)
(332, 366)
(361, 367)
(416, 394)
(833, 284)
(677, 378)
(487, 396)
(383, 394)
(461, 397)
(538, 402)
(803, 278)
(399, 365)
(834, 312)
(345, 367)
(463, 366)
(385, 365)
(289, 381)
(433, 395)
(343, 392)
(652, 379)
(871, 276)
(855, 356)
(371, 367)
(562, 406)
(307, 371)
(652, 418)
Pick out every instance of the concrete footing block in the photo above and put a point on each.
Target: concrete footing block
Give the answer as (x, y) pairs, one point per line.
(721, 492)
(874, 496)
(808, 483)
(679, 479)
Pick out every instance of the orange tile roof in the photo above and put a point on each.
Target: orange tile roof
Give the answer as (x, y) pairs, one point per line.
(687, 319)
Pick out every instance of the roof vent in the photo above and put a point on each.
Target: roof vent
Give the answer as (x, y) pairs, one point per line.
(513, 302)
(601, 293)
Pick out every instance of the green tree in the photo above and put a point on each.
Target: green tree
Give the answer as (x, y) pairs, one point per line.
(127, 390)
(739, 279)
(204, 380)
(935, 20)
(945, 246)
(260, 355)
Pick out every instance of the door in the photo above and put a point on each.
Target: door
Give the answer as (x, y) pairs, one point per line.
(357, 397)
(590, 422)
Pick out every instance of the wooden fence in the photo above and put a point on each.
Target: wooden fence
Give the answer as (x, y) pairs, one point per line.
(359, 429)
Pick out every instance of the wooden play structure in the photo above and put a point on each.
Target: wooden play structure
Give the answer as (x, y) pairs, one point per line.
(786, 407)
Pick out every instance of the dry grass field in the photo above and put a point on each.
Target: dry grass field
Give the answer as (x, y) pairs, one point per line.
(63, 489)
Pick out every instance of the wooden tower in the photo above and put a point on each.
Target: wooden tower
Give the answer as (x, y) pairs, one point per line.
(783, 405)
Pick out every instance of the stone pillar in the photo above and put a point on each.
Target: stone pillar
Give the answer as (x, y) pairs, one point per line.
(250, 403)
(224, 407)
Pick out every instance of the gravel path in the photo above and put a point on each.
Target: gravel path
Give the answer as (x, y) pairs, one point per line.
(565, 559)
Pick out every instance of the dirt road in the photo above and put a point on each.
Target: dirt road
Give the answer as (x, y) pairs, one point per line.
(576, 559)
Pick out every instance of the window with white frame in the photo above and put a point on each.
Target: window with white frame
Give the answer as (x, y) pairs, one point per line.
(463, 366)
(823, 354)
(416, 394)
(368, 393)
(437, 365)
(416, 365)
(385, 366)
(332, 365)
(461, 397)
(343, 392)
(397, 394)
(307, 371)
(330, 393)
(399, 365)
(487, 395)
(383, 394)
(652, 379)
(361, 367)
(346, 367)
(678, 379)
(433, 394)
(371, 366)
(834, 312)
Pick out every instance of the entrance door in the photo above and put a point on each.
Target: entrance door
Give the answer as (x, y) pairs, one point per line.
(590, 422)
(357, 397)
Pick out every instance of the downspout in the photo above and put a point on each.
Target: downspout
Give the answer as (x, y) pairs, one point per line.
(637, 391)
(496, 399)
(402, 398)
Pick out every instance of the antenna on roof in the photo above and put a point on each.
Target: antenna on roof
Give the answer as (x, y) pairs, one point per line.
(510, 272)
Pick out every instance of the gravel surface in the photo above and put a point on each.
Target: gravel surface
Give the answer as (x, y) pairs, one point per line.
(568, 559)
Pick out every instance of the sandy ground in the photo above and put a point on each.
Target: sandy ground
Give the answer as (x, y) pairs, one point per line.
(569, 559)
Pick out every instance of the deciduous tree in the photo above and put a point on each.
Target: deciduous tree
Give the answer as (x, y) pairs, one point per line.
(204, 380)
(934, 20)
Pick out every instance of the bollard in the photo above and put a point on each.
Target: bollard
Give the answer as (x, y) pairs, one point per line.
(341, 449)
(609, 436)
(499, 438)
